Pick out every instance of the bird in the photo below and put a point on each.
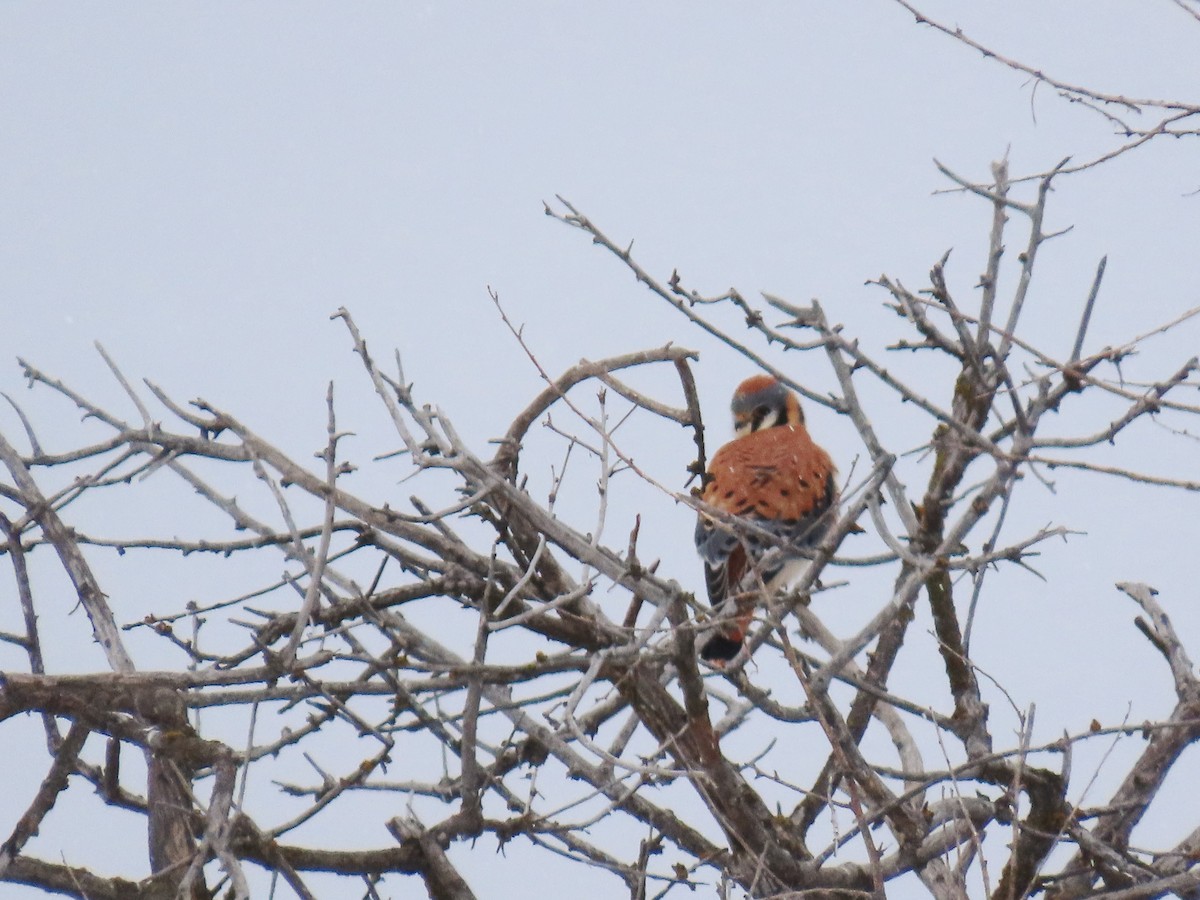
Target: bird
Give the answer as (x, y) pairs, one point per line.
(776, 488)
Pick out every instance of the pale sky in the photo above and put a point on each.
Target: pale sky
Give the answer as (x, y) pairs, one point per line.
(198, 186)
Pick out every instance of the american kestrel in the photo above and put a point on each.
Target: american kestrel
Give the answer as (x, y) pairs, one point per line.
(780, 486)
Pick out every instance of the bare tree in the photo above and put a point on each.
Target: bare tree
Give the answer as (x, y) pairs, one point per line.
(465, 654)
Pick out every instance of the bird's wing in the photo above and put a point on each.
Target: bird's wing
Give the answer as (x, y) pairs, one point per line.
(724, 557)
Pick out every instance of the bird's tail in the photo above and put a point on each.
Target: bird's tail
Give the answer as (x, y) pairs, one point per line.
(727, 640)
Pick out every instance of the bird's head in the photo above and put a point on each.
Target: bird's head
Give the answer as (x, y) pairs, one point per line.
(762, 402)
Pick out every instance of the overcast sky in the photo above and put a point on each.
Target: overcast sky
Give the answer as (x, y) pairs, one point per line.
(199, 185)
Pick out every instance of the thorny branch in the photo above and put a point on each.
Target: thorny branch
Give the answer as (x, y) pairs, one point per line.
(1167, 118)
